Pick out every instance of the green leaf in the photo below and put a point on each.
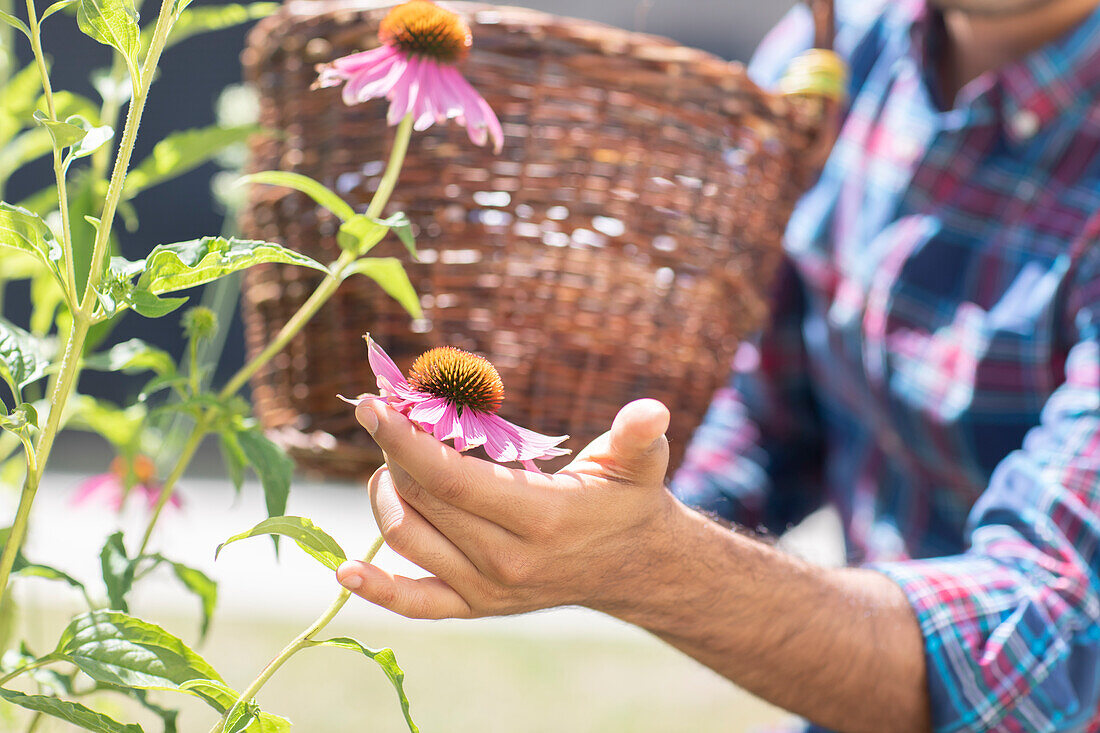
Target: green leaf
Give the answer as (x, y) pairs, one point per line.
(20, 94)
(272, 465)
(198, 583)
(15, 23)
(94, 138)
(171, 267)
(70, 712)
(386, 660)
(64, 134)
(402, 227)
(118, 649)
(118, 572)
(359, 234)
(25, 231)
(48, 681)
(183, 151)
(215, 690)
(306, 185)
(235, 460)
(20, 420)
(146, 304)
(32, 570)
(390, 275)
(56, 7)
(309, 537)
(23, 358)
(131, 357)
(167, 716)
(111, 22)
(193, 21)
(120, 427)
(29, 146)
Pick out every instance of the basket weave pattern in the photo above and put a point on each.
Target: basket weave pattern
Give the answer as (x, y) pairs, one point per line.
(618, 248)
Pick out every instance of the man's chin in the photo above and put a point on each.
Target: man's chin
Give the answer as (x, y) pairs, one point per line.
(992, 8)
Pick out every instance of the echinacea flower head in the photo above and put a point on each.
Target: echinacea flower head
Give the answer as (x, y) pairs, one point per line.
(455, 395)
(415, 70)
(138, 473)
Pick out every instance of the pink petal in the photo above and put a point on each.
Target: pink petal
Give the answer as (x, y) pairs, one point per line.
(480, 120)
(372, 83)
(519, 444)
(449, 427)
(383, 367)
(152, 494)
(364, 60)
(429, 413)
(501, 439)
(103, 483)
(427, 109)
(473, 429)
(404, 92)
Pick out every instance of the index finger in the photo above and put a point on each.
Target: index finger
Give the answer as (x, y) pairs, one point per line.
(506, 496)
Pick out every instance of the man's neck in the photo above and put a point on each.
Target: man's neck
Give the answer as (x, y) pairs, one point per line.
(977, 42)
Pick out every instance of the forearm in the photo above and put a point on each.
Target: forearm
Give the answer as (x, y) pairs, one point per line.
(838, 646)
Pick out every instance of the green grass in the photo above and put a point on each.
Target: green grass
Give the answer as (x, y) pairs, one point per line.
(458, 680)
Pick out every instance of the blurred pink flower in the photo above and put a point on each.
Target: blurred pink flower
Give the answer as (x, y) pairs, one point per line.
(454, 395)
(112, 485)
(414, 69)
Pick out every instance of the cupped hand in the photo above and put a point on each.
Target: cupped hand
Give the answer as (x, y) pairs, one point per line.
(499, 540)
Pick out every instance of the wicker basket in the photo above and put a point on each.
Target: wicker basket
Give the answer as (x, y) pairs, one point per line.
(618, 248)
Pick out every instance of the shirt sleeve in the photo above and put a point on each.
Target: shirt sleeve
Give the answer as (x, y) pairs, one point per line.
(1012, 626)
(757, 457)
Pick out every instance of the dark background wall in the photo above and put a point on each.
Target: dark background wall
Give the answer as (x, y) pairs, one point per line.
(194, 72)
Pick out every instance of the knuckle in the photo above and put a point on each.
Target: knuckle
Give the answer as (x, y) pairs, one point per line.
(398, 534)
(449, 487)
(514, 570)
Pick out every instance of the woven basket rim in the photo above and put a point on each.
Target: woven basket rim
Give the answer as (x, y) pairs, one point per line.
(603, 38)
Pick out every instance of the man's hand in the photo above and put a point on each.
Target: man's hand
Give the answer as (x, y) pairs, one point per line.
(841, 647)
(501, 541)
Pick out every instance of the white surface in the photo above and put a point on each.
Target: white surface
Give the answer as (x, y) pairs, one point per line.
(251, 582)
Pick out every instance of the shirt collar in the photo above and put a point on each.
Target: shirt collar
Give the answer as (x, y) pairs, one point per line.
(1052, 81)
(1034, 90)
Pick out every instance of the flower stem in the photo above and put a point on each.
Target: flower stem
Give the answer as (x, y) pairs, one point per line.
(393, 168)
(301, 642)
(188, 452)
(63, 387)
(299, 320)
(27, 668)
(141, 82)
(69, 372)
(58, 167)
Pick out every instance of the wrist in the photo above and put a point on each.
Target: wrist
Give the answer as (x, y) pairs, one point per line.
(655, 586)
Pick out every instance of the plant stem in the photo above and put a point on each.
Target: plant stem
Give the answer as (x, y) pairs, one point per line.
(58, 167)
(63, 387)
(301, 642)
(141, 83)
(332, 281)
(393, 168)
(186, 455)
(298, 321)
(27, 668)
(82, 317)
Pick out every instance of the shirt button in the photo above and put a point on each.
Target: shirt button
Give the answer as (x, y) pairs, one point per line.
(1025, 124)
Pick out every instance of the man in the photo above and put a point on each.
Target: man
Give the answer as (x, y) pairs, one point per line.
(933, 369)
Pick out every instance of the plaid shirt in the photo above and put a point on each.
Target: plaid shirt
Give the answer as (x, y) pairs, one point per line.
(933, 365)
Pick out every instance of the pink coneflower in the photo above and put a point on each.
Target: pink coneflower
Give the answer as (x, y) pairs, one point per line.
(140, 473)
(454, 395)
(414, 68)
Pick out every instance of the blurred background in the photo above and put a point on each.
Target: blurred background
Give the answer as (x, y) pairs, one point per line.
(566, 670)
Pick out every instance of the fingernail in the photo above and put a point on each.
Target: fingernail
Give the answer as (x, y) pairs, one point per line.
(368, 419)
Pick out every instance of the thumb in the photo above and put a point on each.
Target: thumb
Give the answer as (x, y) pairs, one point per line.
(637, 442)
